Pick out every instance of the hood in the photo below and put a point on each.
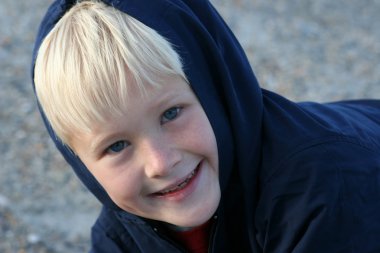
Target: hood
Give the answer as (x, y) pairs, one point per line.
(217, 69)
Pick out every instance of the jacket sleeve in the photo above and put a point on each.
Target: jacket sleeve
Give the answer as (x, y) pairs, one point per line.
(109, 236)
(101, 242)
(324, 198)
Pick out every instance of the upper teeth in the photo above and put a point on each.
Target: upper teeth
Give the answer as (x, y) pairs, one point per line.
(180, 185)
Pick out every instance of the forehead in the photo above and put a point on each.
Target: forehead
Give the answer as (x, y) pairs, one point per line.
(166, 88)
(147, 98)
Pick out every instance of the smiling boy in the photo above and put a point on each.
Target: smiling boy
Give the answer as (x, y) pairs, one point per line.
(160, 115)
(130, 115)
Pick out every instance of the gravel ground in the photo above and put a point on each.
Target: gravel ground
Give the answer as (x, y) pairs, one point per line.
(318, 50)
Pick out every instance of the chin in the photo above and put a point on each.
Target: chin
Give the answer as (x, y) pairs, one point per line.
(195, 217)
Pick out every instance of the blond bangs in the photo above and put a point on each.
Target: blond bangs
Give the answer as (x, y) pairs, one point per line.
(91, 57)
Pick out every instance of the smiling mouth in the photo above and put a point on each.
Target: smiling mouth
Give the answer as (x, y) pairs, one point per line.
(179, 186)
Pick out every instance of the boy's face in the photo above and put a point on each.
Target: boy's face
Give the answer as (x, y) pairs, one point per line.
(159, 160)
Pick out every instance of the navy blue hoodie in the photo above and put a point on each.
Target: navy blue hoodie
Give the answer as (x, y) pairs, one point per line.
(295, 177)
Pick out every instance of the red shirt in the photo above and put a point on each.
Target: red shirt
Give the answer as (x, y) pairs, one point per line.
(195, 240)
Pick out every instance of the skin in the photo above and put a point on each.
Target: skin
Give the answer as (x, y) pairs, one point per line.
(162, 139)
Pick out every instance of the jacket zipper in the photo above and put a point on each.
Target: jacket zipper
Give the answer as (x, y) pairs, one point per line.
(169, 240)
(213, 234)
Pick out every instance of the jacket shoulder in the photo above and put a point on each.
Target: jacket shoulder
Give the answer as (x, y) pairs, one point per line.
(109, 235)
(323, 197)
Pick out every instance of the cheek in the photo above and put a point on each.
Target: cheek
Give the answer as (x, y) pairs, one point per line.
(211, 147)
(121, 187)
(202, 138)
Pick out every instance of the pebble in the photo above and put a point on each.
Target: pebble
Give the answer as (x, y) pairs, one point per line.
(33, 238)
(4, 202)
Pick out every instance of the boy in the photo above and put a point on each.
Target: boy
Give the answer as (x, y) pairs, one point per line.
(159, 113)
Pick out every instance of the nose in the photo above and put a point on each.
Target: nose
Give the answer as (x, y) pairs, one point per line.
(159, 157)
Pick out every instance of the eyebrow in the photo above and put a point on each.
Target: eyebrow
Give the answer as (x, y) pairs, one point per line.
(99, 142)
(164, 98)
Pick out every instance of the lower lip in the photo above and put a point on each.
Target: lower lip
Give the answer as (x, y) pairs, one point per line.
(184, 192)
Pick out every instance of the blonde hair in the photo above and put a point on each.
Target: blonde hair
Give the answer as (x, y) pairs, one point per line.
(86, 63)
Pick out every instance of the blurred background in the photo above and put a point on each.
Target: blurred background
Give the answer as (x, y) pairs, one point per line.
(319, 50)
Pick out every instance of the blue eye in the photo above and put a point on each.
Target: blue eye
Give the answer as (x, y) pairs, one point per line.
(117, 147)
(170, 114)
